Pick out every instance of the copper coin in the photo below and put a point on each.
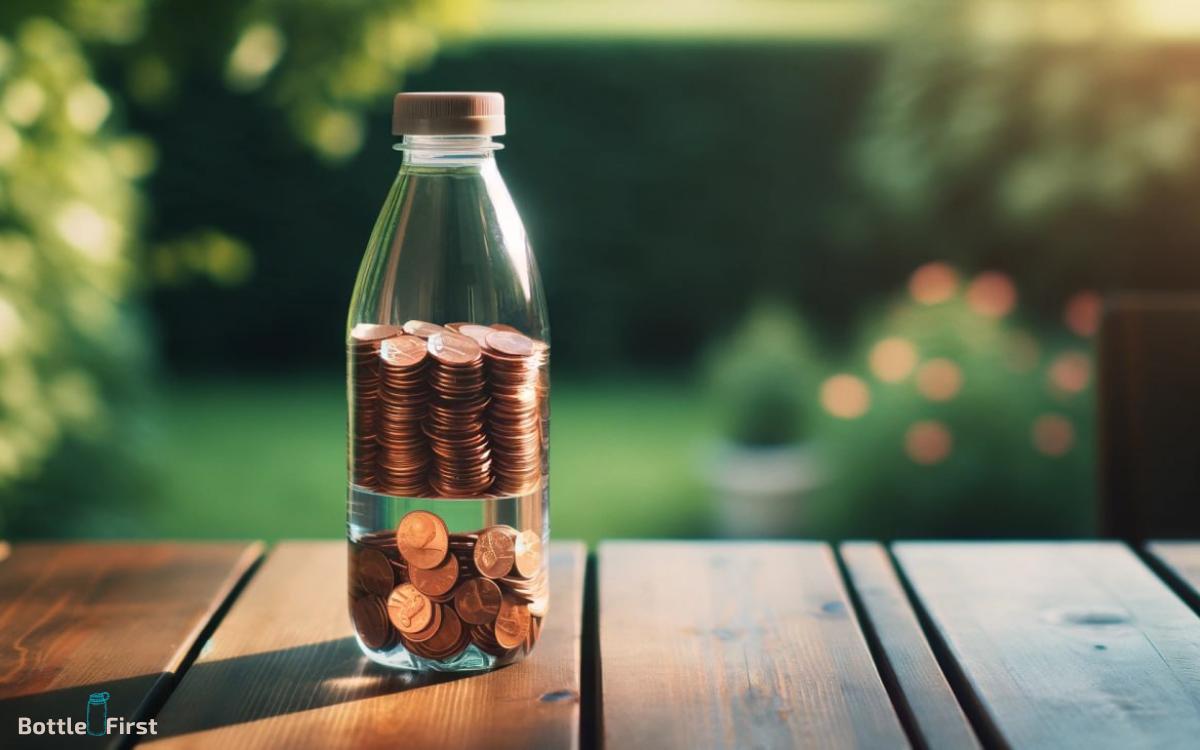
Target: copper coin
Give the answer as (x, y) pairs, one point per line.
(429, 630)
(477, 333)
(423, 539)
(422, 329)
(447, 635)
(504, 327)
(528, 553)
(403, 351)
(373, 332)
(437, 581)
(512, 624)
(410, 610)
(494, 551)
(510, 344)
(371, 621)
(477, 601)
(454, 349)
(375, 572)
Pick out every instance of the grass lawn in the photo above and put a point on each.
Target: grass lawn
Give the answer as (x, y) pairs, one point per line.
(265, 459)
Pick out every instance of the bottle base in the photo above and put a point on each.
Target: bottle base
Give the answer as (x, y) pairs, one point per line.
(472, 659)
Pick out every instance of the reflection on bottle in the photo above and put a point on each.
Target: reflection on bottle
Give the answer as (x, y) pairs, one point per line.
(97, 714)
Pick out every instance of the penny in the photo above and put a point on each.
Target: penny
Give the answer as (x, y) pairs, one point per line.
(373, 332)
(371, 621)
(422, 329)
(512, 624)
(375, 572)
(431, 629)
(528, 553)
(410, 610)
(494, 551)
(423, 539)
(437, 581)
(476, 332)
(447, 635)
(477, 601)
(402, 351)
(454, 349)
(509, 343)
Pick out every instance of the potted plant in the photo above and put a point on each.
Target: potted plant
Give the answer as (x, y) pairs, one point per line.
(763, 379)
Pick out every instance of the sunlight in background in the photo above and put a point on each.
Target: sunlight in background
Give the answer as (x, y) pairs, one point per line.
(892, 359)
(845, 396)
(928, 442)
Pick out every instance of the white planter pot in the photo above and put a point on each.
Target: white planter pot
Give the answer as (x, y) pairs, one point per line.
(761, 492)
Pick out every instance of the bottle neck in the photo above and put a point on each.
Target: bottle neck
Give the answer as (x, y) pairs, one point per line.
(448, 150)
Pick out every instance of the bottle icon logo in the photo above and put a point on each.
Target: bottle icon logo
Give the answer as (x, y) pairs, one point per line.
(97, 714)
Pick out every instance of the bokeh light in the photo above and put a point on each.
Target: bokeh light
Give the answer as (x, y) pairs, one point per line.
(1070, 372)
(928, 442)
(1053, 434)
(256, 53)
(892, 359)
(939, 379)
(1082, 313)
(933, 283)
(845, 396)
(992, 294)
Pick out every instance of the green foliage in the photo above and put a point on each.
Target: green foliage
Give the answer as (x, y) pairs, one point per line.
(73, 355)
(999, 126)
(324, 62)
(71, 351)
(763, 377)
(988, 431)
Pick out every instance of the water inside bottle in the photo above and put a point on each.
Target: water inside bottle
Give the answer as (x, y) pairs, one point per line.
(374, 513)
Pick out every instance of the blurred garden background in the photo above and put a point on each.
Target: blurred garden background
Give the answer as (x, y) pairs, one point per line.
(815, 267)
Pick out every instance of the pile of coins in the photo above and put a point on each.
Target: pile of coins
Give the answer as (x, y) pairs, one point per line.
(462, 458)
(515, 367)
(404, 395)
(364, 415)
(453, 411)
(435, 593)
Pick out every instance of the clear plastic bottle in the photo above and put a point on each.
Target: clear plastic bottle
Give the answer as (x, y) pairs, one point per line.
(448, 384)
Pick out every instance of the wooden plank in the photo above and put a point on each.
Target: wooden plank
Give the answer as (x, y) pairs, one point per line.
(1063, 644)
(734, 645)
(77, 619)
(1181, 561)
(283, 670)
(920, 689)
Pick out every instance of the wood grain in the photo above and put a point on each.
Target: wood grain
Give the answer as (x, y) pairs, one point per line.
(925, 698)
(1181, 560)
(283, 670)
(1063, 644)
(82, 618)
(734, 645)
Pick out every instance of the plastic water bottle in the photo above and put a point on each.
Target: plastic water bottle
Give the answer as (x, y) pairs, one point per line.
(448, 382)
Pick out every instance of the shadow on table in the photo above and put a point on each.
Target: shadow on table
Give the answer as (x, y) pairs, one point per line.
(242, 689)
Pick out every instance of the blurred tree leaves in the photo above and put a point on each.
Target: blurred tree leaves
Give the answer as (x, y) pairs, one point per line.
(73, 357)
(973, 425)
(1001, 126)
(763, 377)
(72, 353)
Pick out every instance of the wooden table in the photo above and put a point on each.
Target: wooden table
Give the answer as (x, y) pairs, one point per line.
(649, 645)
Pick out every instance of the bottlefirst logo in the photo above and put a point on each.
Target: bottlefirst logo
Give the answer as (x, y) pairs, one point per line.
(98, 723)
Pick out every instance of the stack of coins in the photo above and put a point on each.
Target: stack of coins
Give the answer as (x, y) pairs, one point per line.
(364, 417)
(404, 394)
(459, 411)
(514, 365)
(435, 593)
(461, 457)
